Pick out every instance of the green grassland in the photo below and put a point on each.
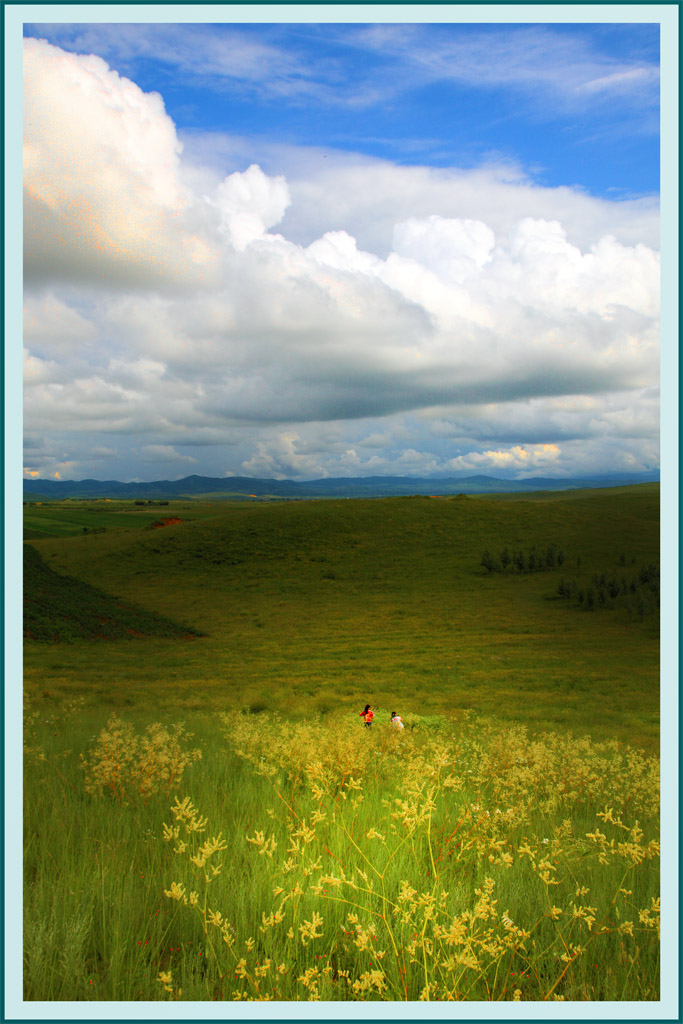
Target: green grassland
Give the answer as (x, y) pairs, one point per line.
(73, 518)
(206, 818)
(320, 605)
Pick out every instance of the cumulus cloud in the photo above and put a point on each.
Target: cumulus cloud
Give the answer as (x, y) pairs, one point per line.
(249, 203)
(284, 455)
(49, 319)
(518, 457)
(170, 313)
(367, 197)
(551, 460)
(102, 193)
(453, 249)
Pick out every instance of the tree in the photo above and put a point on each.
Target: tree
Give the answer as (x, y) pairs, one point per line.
(519, 560)
(488, 561)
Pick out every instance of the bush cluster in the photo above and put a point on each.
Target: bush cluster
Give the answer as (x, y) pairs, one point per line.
(639, 595)
(533, 560)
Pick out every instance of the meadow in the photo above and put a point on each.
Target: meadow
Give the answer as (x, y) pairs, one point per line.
(207, 818)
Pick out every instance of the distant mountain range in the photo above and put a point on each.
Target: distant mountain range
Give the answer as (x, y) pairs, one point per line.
(342, 487)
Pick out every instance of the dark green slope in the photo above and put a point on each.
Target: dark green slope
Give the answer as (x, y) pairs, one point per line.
(61, 609)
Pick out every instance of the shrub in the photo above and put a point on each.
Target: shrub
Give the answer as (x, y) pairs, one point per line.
(488, 561)
(649, 577)
(533, 561)
(132, 766)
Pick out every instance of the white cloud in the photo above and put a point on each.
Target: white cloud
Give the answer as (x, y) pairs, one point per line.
(283, 455)
(453, 249)
(367, 197)
(185, 322)
(38, 371)
(543, 64)
(520, 457)
(552, 460)
(231, 57)
(48, 318)
(616, 416)
(621, 82)
(249, 203)
(102, 193)
(340, 250)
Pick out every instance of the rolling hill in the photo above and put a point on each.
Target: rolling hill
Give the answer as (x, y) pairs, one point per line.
(311, 605)
(351, 487)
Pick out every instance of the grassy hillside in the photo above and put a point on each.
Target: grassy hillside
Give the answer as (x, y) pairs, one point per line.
(59, 609)
(323, 605)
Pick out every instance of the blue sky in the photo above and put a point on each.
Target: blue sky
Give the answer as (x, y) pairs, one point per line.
(573, 104)
(322, 250)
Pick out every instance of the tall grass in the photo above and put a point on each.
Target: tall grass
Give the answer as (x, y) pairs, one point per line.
(321, 860)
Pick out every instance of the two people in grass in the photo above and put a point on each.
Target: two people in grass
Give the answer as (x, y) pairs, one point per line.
(368, 716)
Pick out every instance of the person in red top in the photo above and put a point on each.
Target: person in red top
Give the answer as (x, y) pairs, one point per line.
(367, 716)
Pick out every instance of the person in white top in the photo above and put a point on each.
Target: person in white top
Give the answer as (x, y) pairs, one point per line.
(397, 721)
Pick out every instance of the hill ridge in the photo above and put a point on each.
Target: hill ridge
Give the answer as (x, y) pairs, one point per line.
(372, 486)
